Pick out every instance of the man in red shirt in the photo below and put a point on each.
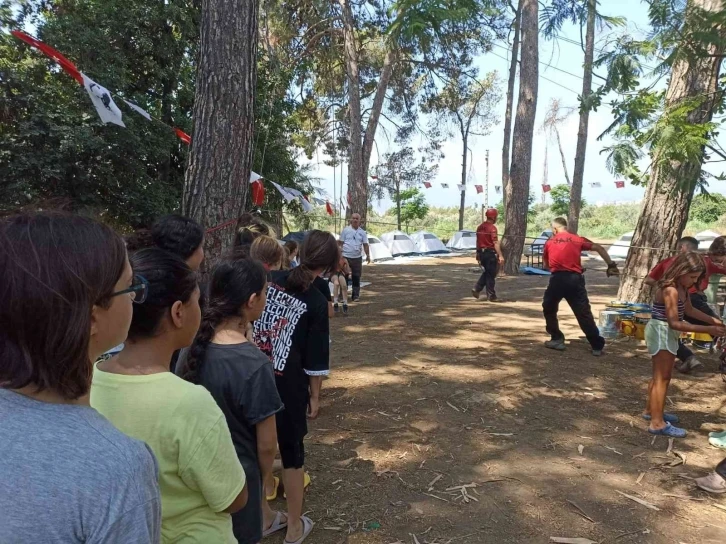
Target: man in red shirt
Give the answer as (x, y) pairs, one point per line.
(562, 256)
(714, 265)
(489, 255)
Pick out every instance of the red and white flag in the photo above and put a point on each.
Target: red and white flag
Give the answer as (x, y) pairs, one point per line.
(479, 189)
(546, 188)
(329, 208)
(427, 184)
(619, 184)
(183, 136)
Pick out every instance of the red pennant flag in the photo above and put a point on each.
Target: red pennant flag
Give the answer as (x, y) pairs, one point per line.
(67, 65)
(329, 208)
(546, 188)
(258, 193)
(619, 184)
(374, 177)
(183, 136)
(479, 189)
(427, 185)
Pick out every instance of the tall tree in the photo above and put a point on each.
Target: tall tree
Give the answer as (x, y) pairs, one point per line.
(506, 145)
(467, 105)
(583, 13)
(218, 173)
(676, 126)
(554, 117)
(398, 172)
(517, 191)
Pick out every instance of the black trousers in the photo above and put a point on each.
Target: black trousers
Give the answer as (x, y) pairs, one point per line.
(356, 270)
(490, 263)
(699, 302)
(571, 287)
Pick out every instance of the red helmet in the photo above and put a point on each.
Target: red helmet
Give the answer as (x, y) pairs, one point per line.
(492, 213)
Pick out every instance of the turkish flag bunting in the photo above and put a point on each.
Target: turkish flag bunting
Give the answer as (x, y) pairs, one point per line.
(479, 189)
(67, 65)
(427, 185)
(546, 188)
(374, 177)
(258, 192)
(329, 208)
(183, 136)
(619, 184)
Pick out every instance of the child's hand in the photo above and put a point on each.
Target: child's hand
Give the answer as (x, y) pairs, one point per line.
(717, 330)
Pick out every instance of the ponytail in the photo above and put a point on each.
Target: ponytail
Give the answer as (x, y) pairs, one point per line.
(319, 251)
(198, 349)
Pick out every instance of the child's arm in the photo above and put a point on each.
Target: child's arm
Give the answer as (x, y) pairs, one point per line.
(670, 298)
(266, 432)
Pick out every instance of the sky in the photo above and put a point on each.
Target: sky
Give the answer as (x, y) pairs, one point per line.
(559, 54)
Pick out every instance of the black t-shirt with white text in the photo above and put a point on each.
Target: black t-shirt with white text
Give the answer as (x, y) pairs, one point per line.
(294, 332)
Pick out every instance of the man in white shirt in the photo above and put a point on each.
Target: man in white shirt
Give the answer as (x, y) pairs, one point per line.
(353, 241)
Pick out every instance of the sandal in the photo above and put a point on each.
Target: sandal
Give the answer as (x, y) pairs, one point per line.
(306, 483)
(277, 524)
(668, 418)
(307, 529)
(273, 496)
(670, 431)
(713, 483)
(718, 440)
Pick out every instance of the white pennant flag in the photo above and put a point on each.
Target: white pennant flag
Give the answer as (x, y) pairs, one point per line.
(445, 185)
(596, 184)
(141, 111)
(283, 191)
(254, 176)
(343, 206)
(461, 188)
(105, 106)
(497, 189)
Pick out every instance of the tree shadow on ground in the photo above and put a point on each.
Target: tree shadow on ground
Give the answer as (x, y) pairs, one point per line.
(432, 389)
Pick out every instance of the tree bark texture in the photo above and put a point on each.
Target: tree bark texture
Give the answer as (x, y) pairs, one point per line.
(668, 196)
(510, 101)
(357, 178)
(517, 190)
(218, 172)
(581, 148)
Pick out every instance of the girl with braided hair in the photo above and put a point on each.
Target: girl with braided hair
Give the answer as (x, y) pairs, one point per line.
(240, 378)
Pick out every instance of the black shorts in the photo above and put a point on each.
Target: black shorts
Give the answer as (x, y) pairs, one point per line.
(292, 454)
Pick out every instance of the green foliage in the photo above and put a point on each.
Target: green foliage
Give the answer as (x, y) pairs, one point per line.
(413, 205)
(707, 208)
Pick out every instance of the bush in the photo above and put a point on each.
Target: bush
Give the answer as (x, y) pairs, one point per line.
(707, 208)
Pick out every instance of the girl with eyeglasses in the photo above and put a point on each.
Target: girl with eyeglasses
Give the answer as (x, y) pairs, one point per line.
(67, 474)
(201, 479)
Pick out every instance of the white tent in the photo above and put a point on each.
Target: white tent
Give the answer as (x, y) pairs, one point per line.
(379, 251)
(462, 240)
(427, 243)
(399, 243)
(705, 238)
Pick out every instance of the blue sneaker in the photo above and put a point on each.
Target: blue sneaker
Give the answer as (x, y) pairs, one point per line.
(670, 431)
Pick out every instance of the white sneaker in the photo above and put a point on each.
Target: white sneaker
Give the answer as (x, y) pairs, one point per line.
(713, 483)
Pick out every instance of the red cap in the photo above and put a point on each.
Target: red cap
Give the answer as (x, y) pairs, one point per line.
(492, 213)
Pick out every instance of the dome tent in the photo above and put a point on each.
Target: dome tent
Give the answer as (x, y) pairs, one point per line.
(462, 240)
(428, 243)
(379, 251)
(399, 243)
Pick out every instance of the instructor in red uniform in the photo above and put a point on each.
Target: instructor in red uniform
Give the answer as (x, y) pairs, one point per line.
(489, 255)
(562, 256)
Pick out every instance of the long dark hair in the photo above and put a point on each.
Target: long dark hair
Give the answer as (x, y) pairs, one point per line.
(233, 283)
(319, 250)
(170, 279)
(174, 233)
(55, 268)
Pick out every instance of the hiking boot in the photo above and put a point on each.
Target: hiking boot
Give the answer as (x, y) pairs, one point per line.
(597, 352)
(335, 307)
(558, 344)
(494, 299)
(475, 293)
(345, 309)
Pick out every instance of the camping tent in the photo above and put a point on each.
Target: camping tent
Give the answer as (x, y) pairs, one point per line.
(379, 251)
(462, 240)
(705, 239)
(298, 236)
(399, 243)
(428, 243)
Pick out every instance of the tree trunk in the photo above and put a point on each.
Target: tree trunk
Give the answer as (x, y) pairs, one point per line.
(562, 156)
(464, 139)
(357, 177)
(668, 195)
(218, 173)
(369, 137)
(579, 173)
(398, 204)
(517, 190)
(510, 102)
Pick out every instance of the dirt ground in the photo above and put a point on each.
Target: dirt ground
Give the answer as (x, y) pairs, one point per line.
(432, 389)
